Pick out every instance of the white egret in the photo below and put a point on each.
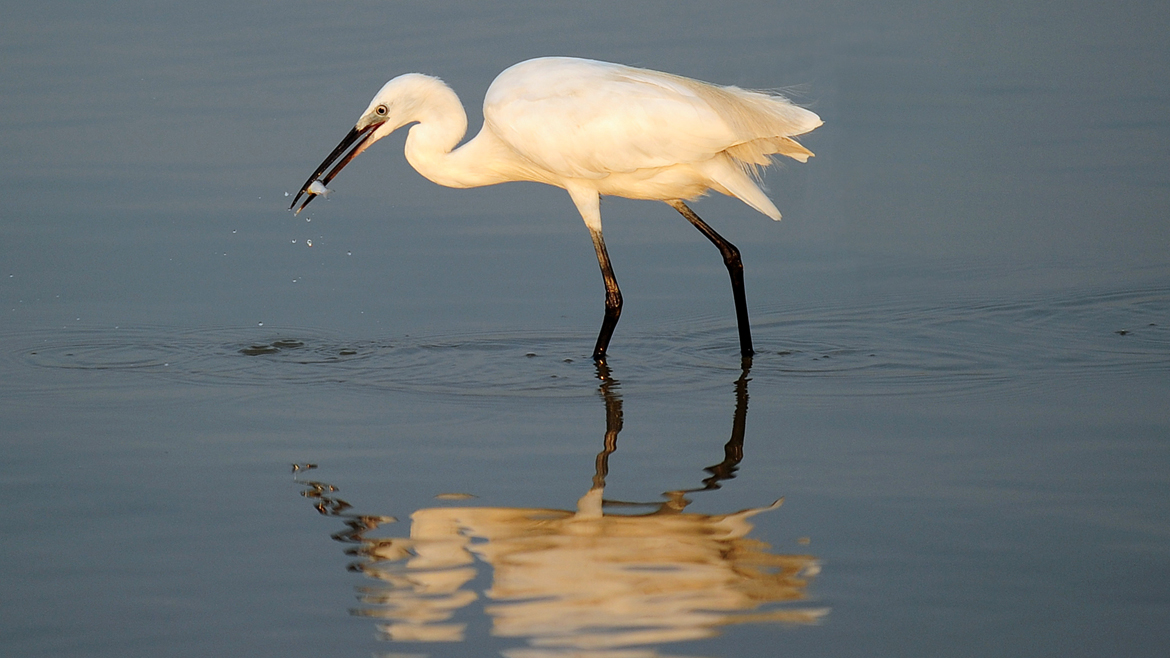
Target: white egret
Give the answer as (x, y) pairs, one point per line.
(592, 128)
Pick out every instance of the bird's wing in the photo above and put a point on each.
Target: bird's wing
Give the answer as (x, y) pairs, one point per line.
(585, 119)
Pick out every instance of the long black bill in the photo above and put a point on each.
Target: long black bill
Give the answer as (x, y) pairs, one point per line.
(360, 136)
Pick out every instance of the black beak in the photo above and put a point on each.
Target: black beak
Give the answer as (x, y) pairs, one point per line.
(358, 138)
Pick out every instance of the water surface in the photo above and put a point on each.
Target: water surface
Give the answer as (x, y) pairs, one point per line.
(959, 401)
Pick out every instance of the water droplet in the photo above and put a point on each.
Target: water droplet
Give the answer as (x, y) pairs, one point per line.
(309, 243)
(294, 241)
(286, 193)
(349, 253)
(261, 324)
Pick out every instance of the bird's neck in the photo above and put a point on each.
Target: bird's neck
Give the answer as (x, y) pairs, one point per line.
(430, 144)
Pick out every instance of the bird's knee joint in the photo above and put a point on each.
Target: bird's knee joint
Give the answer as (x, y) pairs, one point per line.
(731, 258)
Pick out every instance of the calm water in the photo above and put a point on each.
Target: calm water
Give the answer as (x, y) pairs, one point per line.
(954, 440)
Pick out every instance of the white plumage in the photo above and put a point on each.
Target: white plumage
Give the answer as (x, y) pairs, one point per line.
(592, 128)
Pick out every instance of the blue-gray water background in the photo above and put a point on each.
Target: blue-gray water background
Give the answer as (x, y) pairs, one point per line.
(964, 322)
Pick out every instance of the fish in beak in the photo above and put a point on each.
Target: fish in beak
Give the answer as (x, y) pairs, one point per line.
(359, 140)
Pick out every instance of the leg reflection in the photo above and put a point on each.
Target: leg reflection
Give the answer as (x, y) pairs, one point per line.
(733, 450)
(613, 423)
(724, 470)
(573, 580)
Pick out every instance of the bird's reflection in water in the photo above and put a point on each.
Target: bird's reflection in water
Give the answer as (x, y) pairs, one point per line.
(583, 582)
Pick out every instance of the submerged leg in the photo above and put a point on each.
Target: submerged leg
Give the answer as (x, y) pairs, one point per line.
(734, 268)
(613, 297)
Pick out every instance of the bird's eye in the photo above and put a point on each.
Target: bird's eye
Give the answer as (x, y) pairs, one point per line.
(381, 110)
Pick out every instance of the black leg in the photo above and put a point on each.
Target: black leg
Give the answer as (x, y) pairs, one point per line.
(613, 298)
(734, 268)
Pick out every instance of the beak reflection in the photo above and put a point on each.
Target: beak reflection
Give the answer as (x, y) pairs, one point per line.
(358, 138)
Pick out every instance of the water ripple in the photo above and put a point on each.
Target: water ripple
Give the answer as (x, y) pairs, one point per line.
(876, 350)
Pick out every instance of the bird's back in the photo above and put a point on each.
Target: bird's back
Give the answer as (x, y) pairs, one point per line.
(587, 119)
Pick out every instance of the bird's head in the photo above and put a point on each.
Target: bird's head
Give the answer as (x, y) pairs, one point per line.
(398, 103)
